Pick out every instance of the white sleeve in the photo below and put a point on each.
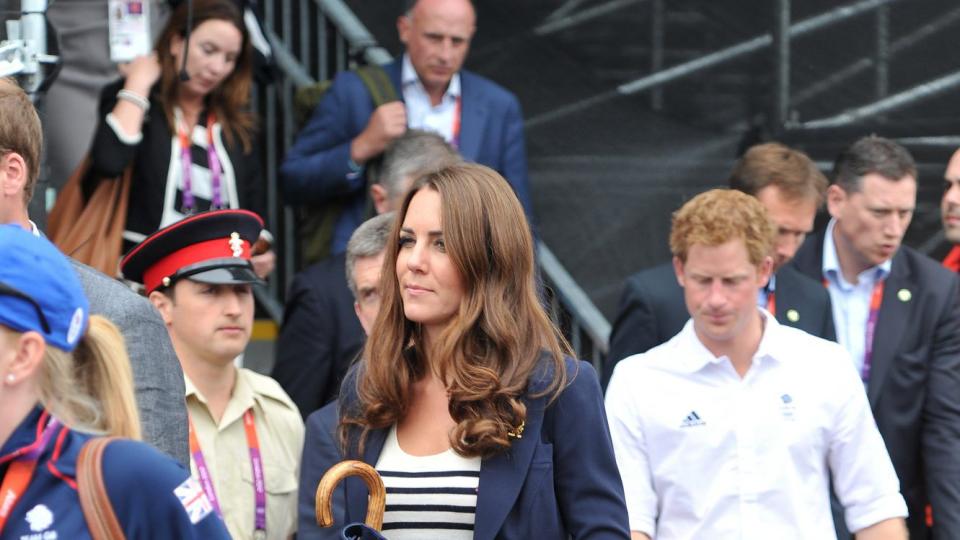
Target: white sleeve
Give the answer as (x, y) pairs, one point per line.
(629, 446)
(863, 475)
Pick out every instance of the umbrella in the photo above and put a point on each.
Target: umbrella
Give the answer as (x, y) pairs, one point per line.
(378, 496)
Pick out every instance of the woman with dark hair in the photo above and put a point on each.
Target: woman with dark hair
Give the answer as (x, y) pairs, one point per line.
(65, 378)
(191, 142)
(466, 399)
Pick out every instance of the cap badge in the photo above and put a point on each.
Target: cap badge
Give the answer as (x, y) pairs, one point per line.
(236, 244)
(793, 315)
(904, 295)
(76, 324)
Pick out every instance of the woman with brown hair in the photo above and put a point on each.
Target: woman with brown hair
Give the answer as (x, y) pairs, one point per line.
(64, 378)
(466, 399)
(181, 117)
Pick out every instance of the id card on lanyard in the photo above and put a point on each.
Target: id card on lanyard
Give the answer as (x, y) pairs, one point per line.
(256, 464)
(23, 463)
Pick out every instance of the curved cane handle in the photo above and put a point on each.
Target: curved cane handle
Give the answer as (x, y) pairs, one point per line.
(344, 469)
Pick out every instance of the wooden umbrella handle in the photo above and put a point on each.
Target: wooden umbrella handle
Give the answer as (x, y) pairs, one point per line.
(344, 469)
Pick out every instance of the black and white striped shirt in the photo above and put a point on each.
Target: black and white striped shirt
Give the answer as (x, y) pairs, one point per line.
(428, 496)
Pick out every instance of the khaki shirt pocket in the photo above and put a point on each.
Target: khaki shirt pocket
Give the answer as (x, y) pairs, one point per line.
(281, 485)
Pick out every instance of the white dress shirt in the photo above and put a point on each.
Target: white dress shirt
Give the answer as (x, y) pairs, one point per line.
(704, 453)
(421, 114)
(850, 302)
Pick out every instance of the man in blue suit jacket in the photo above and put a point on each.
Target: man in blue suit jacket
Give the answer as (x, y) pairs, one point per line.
(478, 117)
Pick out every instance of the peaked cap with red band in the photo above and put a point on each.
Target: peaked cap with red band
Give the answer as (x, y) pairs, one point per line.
(210, 247)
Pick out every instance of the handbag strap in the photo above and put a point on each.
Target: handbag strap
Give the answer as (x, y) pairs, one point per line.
(97, 508)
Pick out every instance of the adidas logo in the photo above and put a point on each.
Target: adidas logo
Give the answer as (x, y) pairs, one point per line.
(692, 419)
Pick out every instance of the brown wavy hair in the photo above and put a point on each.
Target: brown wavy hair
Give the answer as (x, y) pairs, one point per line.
(230, 101)
(498, 341)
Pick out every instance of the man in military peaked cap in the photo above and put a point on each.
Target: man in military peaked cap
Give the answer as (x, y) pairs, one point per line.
(246, 434)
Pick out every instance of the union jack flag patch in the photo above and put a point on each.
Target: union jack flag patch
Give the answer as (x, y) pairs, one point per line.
(193, 499)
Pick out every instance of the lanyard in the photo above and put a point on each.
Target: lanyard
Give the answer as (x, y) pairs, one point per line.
(876, 298)
(256, 463)
(20, 472)
(186, 162)
(772, 302)
(455, 137)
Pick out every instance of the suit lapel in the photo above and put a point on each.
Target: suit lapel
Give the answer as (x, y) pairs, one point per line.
(787, 299)
(473, 117)
(502, 476)
(356, 491)
(890, 325)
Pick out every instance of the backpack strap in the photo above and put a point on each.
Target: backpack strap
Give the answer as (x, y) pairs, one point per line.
(97, 509)
(378, 83)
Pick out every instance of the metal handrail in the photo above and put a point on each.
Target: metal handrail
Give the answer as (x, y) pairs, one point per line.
(686, 69)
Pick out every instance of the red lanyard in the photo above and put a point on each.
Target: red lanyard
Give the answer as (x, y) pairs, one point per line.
(256, 463)
(20, 472)
(772, 302)
(876, 298)
(186, 162)
(455, 137)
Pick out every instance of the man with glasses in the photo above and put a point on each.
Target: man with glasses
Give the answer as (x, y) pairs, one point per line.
(158, 380)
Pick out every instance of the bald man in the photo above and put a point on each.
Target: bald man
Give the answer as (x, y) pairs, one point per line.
(477, 117)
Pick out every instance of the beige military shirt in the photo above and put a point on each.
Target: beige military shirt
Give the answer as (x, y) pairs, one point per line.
(227, 455)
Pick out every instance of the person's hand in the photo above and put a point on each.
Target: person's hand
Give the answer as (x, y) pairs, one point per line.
(264, 263)
(387, 122)
(141, 73)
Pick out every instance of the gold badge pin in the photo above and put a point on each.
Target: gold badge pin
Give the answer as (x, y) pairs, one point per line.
(793, 315)
(904, 295)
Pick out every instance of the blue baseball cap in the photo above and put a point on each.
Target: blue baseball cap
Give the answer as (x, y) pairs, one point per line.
(39, 290)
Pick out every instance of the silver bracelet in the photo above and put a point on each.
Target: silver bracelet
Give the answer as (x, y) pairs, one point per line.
(135, 98)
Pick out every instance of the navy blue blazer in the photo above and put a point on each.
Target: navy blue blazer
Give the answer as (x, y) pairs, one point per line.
(559, 480)
(316, 169)
(320, 452)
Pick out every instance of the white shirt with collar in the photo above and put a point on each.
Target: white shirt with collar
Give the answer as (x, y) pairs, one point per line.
(850, 302)
(704, 453)
(421, 114)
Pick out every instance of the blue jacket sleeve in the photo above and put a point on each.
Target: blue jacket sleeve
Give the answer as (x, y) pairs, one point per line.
(155, 497)
(588, 485)
(320, 452)
(316, 169)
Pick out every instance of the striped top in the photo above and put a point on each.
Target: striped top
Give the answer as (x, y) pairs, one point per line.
(428, 496)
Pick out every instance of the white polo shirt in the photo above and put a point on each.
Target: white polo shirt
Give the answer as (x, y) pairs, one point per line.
(706, 454)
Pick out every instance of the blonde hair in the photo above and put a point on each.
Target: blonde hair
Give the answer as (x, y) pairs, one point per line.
(718, 216)
(91, 389)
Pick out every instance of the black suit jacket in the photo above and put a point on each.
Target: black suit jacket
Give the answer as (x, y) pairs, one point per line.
(914, 386)
(320, 337)
(652, 310)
